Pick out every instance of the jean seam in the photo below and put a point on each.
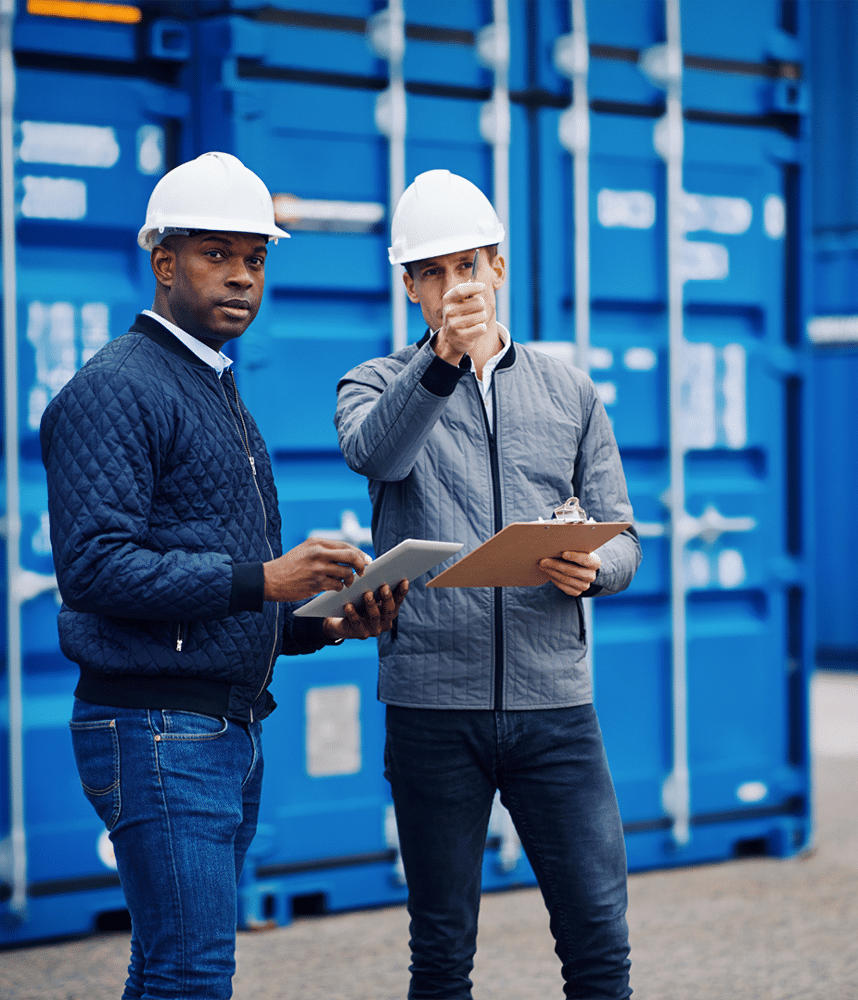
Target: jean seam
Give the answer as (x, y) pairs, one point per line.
(545, 869)
(116, 787)
(170, 850)
(166, 734)
(254, 759)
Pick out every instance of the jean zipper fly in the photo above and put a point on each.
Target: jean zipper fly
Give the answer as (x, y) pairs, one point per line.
(245, 441)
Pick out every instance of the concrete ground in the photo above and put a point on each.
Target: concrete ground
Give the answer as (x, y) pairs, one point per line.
(751, 929)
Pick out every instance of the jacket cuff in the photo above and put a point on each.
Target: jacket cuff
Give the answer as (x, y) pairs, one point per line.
(303, 635)
(248, 587)
(595, 587)
(441, 378)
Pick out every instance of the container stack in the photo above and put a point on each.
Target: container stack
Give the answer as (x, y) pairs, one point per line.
(694, 135)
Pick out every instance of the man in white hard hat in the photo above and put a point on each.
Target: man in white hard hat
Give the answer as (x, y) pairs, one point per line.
(166, 540)
(487, 688)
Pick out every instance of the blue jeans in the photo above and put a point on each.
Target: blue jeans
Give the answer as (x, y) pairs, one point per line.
(179, 793)
(550, 767)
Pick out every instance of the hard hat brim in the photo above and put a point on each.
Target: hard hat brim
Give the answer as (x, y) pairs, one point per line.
(449, 244)
(145, 238)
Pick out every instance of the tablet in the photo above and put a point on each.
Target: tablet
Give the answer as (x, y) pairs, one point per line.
(403, 562)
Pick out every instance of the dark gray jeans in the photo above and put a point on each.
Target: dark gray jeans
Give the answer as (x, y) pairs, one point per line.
(550, 766)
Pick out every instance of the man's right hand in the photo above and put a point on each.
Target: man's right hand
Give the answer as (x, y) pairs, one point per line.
(314, 565)
(464, 321)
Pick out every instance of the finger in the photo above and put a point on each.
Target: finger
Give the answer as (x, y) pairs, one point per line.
(353, 557)
(334, 552)
(565, 568)
(565, 576)
(467, 310)
(354, 622)
(588, 559)
(387, 603)
(371, 610)
(467, 289)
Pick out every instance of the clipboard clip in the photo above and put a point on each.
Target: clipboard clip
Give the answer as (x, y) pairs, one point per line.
(570, 512)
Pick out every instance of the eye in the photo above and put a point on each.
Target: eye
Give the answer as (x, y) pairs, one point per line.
(215, 254)
(257, 262)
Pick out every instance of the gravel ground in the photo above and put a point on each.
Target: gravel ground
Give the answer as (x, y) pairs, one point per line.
(752, 929)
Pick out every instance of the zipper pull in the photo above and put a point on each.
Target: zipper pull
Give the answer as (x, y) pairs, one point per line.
(252, 465)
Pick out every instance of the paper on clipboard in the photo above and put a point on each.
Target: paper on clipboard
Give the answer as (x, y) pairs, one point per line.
(510, 558)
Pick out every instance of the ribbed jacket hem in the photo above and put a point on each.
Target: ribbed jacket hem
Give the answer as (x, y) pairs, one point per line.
(155, 691)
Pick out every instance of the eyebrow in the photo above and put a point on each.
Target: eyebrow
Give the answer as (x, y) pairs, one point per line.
(433, 262)
(226, 241)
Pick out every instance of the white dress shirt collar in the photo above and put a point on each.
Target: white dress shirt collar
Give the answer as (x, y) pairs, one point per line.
(216, 359)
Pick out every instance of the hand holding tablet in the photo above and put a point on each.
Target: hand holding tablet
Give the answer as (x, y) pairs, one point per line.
(405, 561)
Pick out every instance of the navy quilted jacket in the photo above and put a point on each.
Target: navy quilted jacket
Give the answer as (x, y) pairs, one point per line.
(163, 509)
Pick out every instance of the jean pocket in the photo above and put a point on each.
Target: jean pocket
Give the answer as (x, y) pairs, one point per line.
(96, 753)
(177, 725)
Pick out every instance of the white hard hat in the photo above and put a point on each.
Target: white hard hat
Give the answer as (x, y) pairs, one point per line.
(215, 192)
(441, 213)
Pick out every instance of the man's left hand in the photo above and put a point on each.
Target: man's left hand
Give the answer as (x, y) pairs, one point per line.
(376, 615)
(573, 573)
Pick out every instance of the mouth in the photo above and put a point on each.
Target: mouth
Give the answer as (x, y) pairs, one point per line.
(235, 308)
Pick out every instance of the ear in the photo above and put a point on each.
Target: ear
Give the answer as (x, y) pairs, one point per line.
(498, 266)
(163, 262)
(410, 287)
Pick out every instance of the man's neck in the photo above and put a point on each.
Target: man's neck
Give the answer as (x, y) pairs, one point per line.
(485, 348)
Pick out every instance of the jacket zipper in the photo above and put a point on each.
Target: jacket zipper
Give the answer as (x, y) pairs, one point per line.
(180, 630)
(245, 440)
(498, 523)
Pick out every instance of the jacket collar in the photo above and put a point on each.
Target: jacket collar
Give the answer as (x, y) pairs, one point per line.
(505, 362)
(158, 333)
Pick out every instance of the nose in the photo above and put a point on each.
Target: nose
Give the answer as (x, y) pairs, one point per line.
(240, 275)
(451, 280)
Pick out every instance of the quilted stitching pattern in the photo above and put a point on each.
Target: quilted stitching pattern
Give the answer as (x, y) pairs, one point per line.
(431, 478)
(151, 500)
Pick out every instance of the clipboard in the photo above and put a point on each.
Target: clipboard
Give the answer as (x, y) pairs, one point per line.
(403, 562)
(509, 558)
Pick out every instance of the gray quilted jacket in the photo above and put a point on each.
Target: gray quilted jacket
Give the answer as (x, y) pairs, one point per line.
(415, 426)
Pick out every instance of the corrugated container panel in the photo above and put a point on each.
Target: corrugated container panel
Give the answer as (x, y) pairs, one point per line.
(290, 87)
(626, 24)
(835, 418)
(834, 151)
(834, 82)
(615, 77)
(74, 37)
(295, 10)
(742, 378)
(86, 166)
(533, 30)
(296, 46)
(90, 147)
(440, 43)
(736, 30)
(71, 876)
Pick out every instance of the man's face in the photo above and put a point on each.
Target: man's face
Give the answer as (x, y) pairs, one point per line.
(212, 283)
(432, 278)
